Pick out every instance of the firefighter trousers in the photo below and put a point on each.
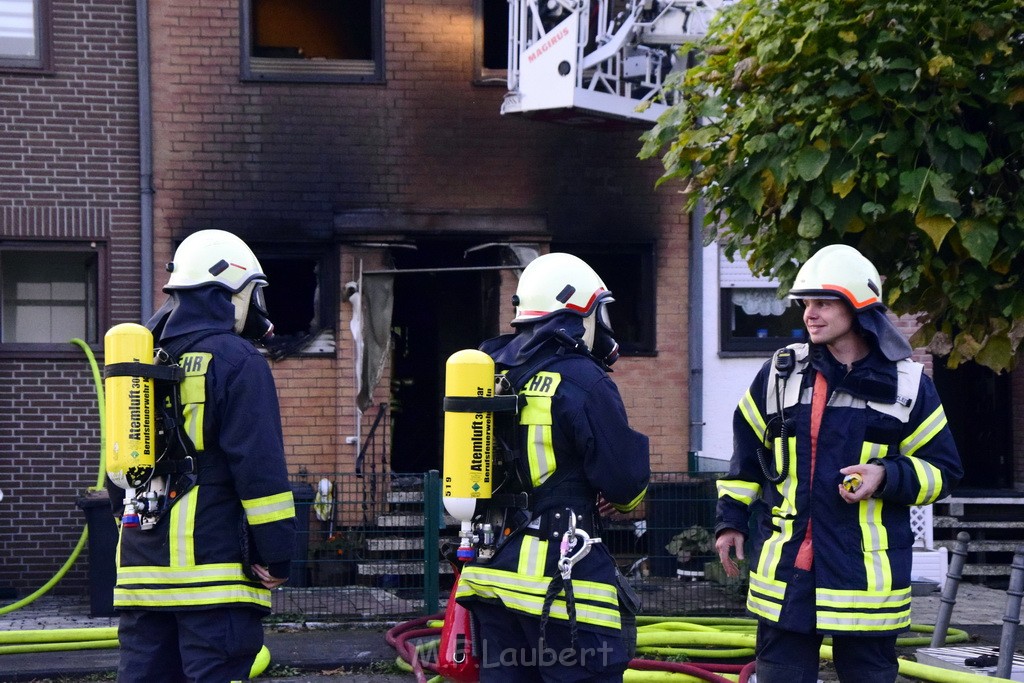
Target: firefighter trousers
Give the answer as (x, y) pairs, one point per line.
(217, 644)
(790, 657)
(510, 650)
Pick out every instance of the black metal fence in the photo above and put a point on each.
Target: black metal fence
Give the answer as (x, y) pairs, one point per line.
(369, 548)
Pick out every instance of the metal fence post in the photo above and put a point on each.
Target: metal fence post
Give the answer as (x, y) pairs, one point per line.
(949, 589)
(1011, 618)
(431, 541)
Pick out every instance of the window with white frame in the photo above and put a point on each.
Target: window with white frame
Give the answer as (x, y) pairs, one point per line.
(49, 296)
(313, 40)
(24, 34)
(753, 318)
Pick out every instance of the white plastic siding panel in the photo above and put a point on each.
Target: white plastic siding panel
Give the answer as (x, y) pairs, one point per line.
(736, 274)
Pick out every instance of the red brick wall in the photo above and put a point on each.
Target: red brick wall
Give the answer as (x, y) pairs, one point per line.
(68, 171)
(276, 159)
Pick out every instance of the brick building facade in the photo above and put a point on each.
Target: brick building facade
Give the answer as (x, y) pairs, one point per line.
(337, 168)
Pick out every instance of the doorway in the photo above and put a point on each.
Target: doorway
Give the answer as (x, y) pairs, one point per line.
(438, 309)
(977, 405)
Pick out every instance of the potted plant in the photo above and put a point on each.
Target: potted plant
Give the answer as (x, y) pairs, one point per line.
(691, 547)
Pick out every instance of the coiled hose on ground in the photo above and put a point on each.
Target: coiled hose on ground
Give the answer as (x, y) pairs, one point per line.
(716, 649)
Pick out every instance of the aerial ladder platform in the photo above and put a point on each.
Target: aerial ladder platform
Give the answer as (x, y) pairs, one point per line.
(589, 61)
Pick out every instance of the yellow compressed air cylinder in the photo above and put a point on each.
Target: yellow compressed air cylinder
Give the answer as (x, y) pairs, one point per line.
(468, 445)
(130, 454)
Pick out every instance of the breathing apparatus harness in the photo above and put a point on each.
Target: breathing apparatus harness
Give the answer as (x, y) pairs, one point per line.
(176, 468)
(784, 362)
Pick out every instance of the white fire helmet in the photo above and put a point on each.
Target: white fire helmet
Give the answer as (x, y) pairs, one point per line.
(555, 283)
(217, 257)
(839, 271)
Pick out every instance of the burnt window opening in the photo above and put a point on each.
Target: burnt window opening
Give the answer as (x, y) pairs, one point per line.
(313, 40)
(301, 302)
(25, 35)
(754, 319)
(491, 40)
(628, 270)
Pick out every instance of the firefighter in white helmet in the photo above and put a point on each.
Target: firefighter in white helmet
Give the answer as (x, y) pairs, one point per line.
(193, 589)
(548, 602)
(833, 442)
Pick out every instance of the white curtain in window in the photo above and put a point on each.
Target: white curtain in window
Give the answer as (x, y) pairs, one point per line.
(760, 301)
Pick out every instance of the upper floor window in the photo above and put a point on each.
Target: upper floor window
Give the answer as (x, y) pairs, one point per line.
(24, 34)
(490, 36)
(49, 296)
(628, 271)
(313, 40)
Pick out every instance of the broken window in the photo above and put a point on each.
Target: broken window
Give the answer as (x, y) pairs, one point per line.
(301, 299)
(628, 270)
(24, 34)
(313, 40)
(490, 28)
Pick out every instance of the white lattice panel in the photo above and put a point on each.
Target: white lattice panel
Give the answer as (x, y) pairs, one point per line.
(921, 525)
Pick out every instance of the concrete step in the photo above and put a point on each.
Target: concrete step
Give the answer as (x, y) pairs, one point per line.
(410, 521)
(410, 568)
(942, 522)
(984, 546)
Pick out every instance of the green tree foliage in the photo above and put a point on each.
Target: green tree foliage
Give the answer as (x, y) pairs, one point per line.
(895, 127)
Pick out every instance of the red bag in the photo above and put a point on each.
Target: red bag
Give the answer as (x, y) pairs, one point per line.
(456, 660)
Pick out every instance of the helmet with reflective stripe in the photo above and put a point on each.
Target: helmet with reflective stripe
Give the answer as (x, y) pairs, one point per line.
(557, 283)
(217, 257)
(839, 271)
(214, 257)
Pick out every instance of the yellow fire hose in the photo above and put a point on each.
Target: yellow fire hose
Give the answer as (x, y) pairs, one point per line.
(722, 638)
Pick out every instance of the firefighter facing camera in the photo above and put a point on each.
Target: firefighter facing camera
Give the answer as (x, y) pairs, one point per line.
(542, 588)
(833, 442)
(196, 471)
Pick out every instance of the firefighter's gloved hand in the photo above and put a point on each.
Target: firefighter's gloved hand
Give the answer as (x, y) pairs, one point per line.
(263, 574)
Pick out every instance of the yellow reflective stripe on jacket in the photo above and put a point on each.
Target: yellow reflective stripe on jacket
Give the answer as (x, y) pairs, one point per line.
(526, 594)
(477, 576)
(193, 394)
(269, 508)
(532, 554)
(631, 505)
(852, 610)
(863, 621)
(182, 521)
(765, 596)
(203, 573)
(191, 596)
(771, 552)
(931, 426)
(876, 541)
(874, 535)
(748, 408)
(536, 417)
(540, 454)
(743, 491)
(930, 479)
(847, 598)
